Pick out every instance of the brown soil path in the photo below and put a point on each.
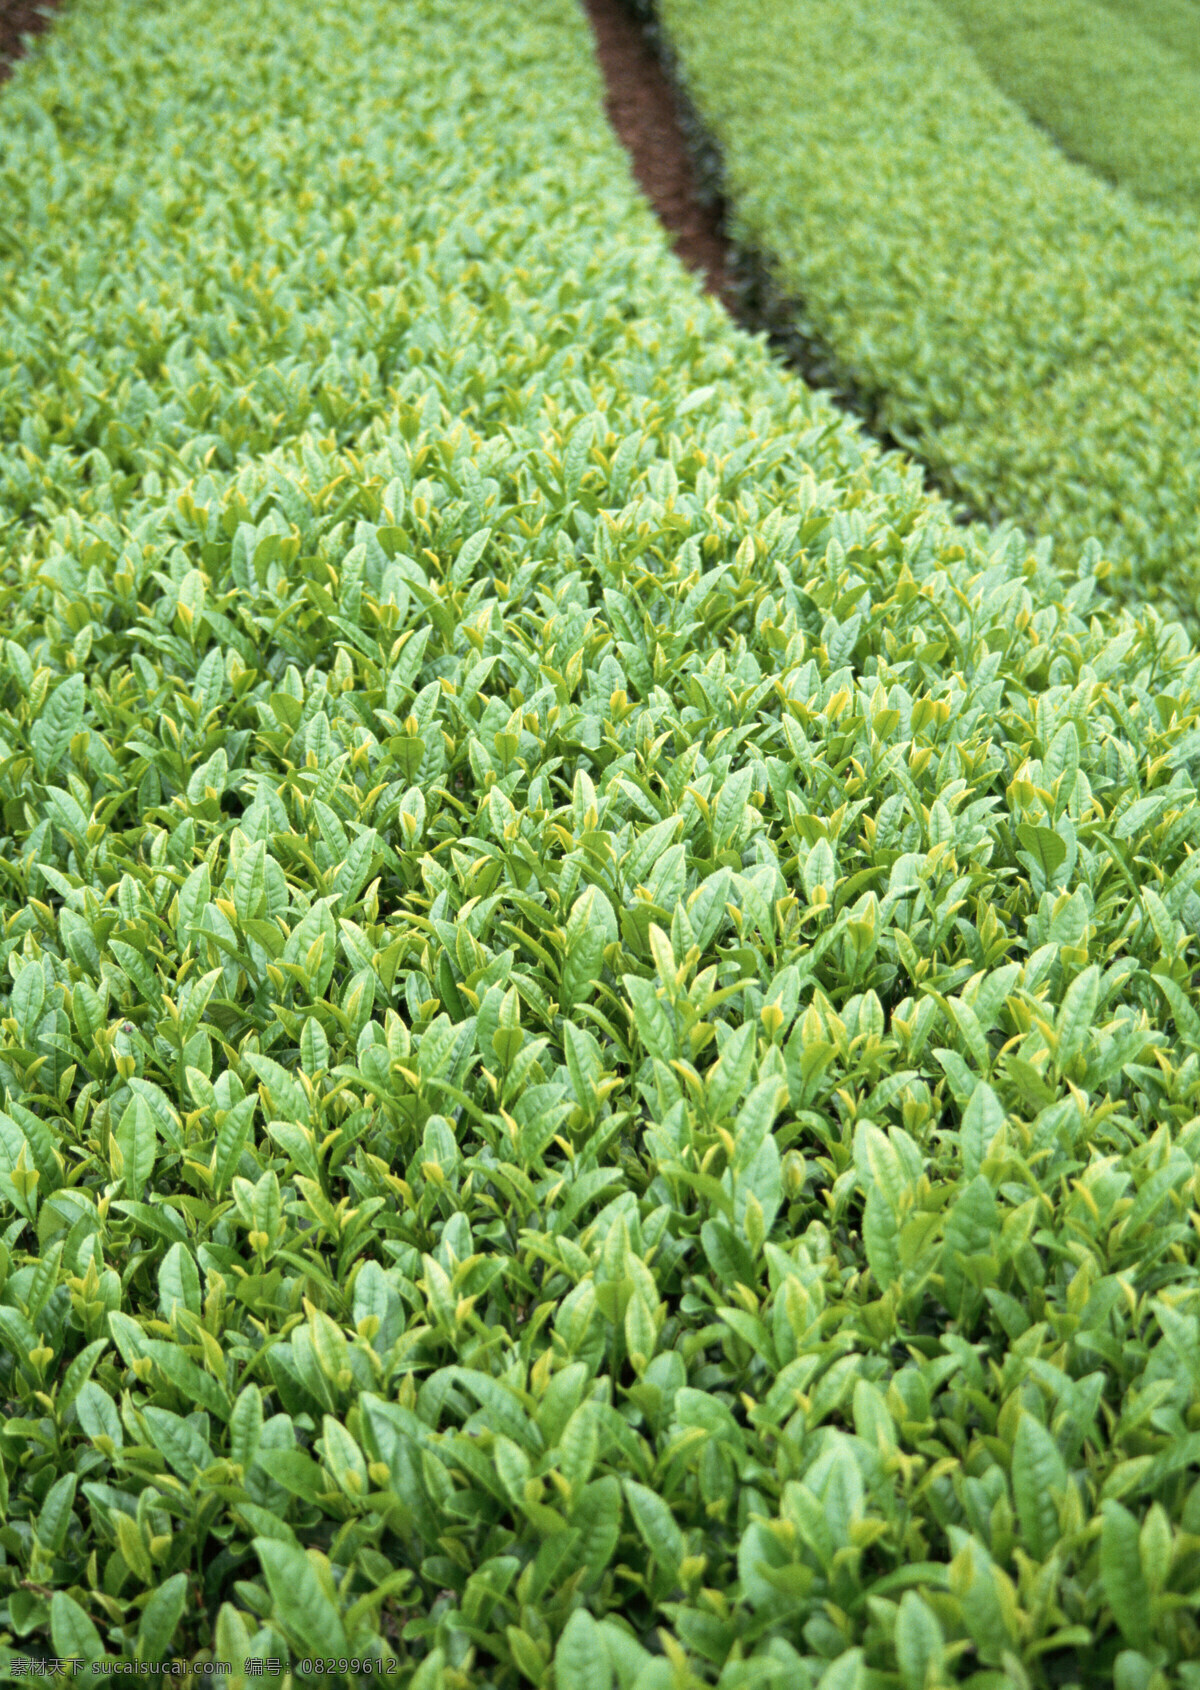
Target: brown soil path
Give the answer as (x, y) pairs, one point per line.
(641, 107)
(18, 18)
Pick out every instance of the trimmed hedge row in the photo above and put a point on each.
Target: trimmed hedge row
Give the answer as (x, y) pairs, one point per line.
(599, 1056)
(1175, 23)
(1029, 331)
(1112, 94)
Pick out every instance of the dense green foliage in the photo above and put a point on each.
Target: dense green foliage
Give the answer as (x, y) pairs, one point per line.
(1112, 94)
(1175, 23)
(599, 1060)
(1031, 331)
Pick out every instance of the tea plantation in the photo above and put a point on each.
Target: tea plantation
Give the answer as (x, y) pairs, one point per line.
(1032, 331)
(600, 1051)
(1111, 91)
(1172, 23)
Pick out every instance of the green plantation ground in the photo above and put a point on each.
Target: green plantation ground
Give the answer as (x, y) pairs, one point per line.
(1030, 329)
(1174, 23)
(600, 1062)
(1111, 92)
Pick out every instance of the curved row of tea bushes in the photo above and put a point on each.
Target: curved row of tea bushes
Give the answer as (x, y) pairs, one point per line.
(599, 1056)
(1174, 23)
(1110, 93)
(1030, 330)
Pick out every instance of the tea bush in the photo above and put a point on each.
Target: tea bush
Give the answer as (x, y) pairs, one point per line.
(599, 1054)
(1029, 330)
(1112, 93)
(1171, 22)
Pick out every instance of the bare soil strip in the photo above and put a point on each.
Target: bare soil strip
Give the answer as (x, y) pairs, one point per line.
(641, 107)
